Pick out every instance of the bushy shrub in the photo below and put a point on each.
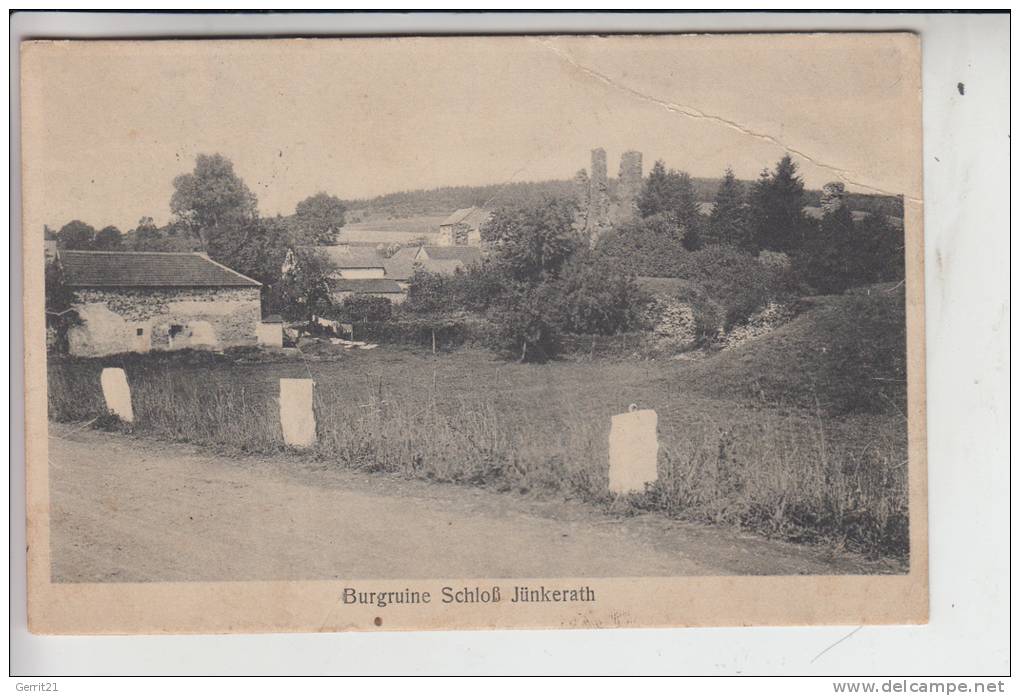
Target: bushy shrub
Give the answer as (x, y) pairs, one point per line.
(428, 293)
(598, 299)
(472, 289)
(366, 308)
(737, 282)
(306, 288)
(708, 315)
(532, 243)
(841, 254)
(649, 247)
(529, 318)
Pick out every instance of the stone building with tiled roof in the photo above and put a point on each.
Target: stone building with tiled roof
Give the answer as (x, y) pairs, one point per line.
(355, 262)
(360, 270)
(447, 259)
(463, 227)
(141, 301)
(400, 267)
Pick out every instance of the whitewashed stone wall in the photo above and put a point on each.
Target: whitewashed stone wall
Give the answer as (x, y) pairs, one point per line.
(130, 319)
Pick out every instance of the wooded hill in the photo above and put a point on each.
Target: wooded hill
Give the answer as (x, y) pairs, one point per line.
(441, 201)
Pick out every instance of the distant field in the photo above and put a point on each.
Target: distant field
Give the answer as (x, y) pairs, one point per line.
(391, 229)
(816, 213)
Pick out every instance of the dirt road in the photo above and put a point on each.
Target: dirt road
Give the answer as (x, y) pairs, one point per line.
(127, 509)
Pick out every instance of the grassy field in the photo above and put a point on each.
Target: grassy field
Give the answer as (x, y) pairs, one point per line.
(386, 230)
(470, 417)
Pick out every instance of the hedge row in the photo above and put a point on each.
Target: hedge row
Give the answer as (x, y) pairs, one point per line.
(457, 333)
(448, 334)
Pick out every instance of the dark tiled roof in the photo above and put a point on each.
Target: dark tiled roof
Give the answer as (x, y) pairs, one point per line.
(400, 266)
(465, 254)
(467, 216)
(367, 285)
(345, 256)
(145, 269)
(441, 267)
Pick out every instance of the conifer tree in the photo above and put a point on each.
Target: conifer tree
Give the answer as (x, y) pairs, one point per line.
(727, 223)
(777, 209)
(830, 259)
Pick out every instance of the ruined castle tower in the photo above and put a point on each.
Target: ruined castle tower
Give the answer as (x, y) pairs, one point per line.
(833, 196)
(597, 218)
(629, 186)
(581, 190)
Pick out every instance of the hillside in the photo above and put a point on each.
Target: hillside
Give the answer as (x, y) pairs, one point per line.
(440, 202)
(842, 353)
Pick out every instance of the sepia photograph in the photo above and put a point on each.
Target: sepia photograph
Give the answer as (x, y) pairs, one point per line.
(467, 332)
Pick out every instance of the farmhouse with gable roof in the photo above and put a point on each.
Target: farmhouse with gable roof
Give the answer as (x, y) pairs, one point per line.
(463, 227)
(447, 259)
(141, 301)
(360, 270)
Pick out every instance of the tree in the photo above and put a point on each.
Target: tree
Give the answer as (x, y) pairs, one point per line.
(882, 256)
(428, 293)
(60, 300)
(109, 239)
(736, 281)
(657, 193)
(777, 209)
(366, 308)
(76, 235)
(212, 198)
(528, 318)
(146, 236)
(318, 219)
(598, 299)
(652, 246)
(727, 223)
(306, 288)
(255, 248)
(687, 211)
(830, 258)
(531, 243)
(672, 193)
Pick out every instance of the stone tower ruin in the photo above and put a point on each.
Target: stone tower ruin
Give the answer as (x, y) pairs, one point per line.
(629, 185)
(598, 196)
(595, 214)
(581, 190)
(596, 211)
(833, 196)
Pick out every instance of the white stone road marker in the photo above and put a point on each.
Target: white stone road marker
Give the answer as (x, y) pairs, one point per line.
(117, 393)
(297, 415)
(633, 451)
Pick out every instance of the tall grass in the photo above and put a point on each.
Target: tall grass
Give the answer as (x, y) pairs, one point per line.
(462, 419)
(801, 487)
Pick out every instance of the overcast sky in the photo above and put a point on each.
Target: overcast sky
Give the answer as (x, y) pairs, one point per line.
(109, 125)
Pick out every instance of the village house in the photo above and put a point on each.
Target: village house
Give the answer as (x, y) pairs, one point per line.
(141, 301)
(447, 259)
(361, 270)
(401, 266)
(463, 227)
(355, 262)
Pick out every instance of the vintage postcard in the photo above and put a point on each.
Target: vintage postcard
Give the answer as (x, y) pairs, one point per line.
(474, 332)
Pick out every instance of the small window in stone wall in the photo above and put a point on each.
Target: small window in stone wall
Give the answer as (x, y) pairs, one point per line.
(140, 331)
(175, 329)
